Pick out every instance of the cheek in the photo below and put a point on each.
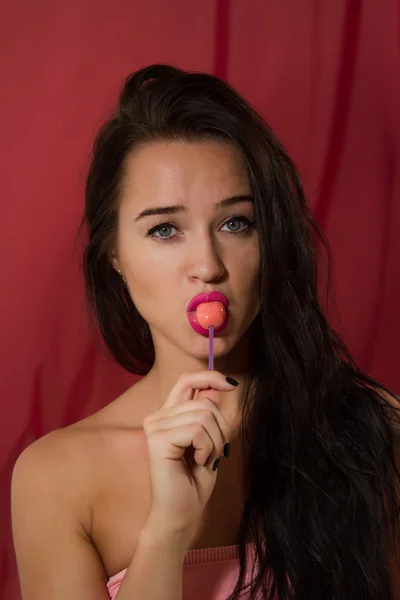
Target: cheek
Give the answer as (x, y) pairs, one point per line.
(245, 267)
(250, 282)
(251, 287)
(149, 278)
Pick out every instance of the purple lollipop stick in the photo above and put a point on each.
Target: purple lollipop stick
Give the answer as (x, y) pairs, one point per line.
(211, 348)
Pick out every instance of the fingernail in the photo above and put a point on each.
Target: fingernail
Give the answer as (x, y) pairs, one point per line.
(215, 465)
(232, 381)
(227, 449)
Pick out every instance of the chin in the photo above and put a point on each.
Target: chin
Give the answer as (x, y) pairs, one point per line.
(223, 344)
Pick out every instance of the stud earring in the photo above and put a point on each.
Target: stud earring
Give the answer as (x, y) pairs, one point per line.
(122, 277)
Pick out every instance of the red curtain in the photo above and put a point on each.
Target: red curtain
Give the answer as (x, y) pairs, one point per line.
(324, 74)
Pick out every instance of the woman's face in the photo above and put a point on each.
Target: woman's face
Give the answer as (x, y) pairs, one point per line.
(186, 227)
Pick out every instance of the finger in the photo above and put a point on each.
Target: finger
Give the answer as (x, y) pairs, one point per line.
(206, 420)
(187, 384)
(213, 395)
(172, 443)
(202, 404)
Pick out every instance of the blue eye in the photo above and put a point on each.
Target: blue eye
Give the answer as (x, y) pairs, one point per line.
(237, 224)
(163, 231)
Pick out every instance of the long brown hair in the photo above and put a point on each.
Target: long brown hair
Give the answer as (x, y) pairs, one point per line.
(320, 480)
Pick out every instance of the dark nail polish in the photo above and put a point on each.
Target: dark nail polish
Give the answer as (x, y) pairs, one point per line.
(232, 381)
(215, 465)
(227, 449)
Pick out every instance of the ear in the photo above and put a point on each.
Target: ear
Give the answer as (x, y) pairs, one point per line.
(115, 261)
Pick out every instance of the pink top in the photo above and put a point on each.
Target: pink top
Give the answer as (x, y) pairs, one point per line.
(208, 574)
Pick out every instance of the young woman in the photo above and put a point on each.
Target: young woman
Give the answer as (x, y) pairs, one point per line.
(272, 476)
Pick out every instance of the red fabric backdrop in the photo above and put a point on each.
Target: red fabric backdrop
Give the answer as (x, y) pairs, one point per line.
(324, 74)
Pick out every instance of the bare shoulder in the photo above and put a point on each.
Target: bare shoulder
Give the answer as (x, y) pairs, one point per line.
(52, 469)
(50, 519)
(56, 485)
(71, 459)
(77, 461)
(57, 449)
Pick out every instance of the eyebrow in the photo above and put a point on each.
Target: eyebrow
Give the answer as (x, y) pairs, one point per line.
(172, 210)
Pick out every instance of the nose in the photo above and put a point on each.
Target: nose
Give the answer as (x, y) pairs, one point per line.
(204, 261)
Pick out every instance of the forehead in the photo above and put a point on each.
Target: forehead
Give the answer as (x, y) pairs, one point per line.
(179, 171)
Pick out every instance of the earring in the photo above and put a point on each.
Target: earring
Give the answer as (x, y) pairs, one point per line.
(122, 277)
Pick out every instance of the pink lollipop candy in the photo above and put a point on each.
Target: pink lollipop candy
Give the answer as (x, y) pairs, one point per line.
(211, 313)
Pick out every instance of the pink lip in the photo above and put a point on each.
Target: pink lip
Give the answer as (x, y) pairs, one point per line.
(209, 297)
(200, 299)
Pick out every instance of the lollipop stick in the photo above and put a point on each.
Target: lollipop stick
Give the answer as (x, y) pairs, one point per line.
(211, 348)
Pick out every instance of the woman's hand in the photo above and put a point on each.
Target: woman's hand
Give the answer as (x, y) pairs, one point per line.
(186, 438)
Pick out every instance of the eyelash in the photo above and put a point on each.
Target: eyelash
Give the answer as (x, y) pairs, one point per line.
(151, 233)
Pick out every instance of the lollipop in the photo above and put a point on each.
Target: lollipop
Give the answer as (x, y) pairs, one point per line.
(211, 315)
